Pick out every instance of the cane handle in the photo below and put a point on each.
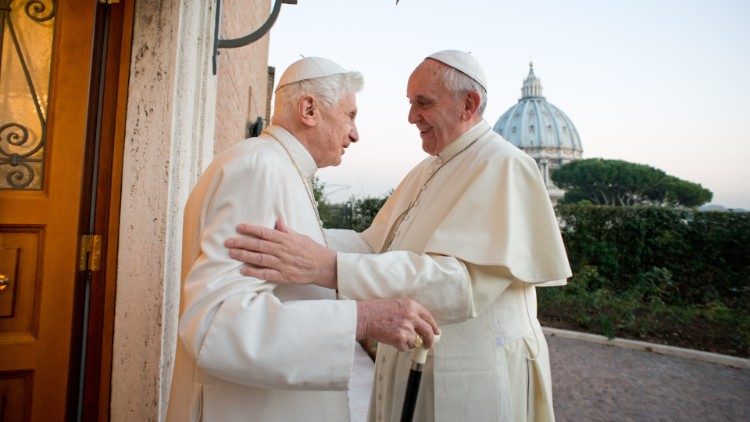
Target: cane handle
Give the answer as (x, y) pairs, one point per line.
(419, 355)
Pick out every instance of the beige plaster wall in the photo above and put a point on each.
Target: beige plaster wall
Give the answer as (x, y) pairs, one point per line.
(141, 260)
(168, 142)
(243, 72)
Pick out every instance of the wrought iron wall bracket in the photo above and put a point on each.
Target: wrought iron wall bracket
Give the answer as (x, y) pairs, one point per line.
(249, 38)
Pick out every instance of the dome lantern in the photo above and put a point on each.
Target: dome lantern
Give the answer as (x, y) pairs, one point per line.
(532, 86)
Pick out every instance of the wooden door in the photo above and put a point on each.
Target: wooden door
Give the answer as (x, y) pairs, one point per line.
(42, 136)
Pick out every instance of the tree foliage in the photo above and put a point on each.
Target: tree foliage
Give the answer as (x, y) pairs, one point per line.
(355, 214)
(621, 183)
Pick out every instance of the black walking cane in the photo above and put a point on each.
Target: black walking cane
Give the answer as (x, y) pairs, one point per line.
(418, 358)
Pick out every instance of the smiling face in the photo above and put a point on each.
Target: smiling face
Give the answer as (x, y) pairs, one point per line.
(336, 129)
(435, 110)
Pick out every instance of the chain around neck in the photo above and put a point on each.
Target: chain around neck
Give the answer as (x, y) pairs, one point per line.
(392, 233)
(308, 189)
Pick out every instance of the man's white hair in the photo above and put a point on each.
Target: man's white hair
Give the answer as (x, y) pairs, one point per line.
(328, 90)
(461, 83)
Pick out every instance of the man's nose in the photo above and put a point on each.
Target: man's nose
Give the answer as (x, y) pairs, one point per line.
(354, 135)
(414, 117)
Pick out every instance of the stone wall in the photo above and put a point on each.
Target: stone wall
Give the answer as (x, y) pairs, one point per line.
(243, 73)
(168, 142)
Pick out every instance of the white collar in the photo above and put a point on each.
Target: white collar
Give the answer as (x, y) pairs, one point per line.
(299, 153)
(463, 141)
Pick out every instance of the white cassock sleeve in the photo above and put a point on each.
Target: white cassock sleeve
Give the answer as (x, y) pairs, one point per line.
(439, 283)
(234, 327)
(453, 290)
(341, 240)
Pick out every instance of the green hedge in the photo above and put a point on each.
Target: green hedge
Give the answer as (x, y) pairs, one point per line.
(674, 256)
(676, 275)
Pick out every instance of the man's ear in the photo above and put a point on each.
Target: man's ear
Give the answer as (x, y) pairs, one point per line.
(471, 104)
(307, 110)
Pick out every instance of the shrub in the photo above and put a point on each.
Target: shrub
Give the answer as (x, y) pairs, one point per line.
(669, 275)
(672, 255)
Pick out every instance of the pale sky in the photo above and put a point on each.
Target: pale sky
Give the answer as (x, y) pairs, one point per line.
(658, 82)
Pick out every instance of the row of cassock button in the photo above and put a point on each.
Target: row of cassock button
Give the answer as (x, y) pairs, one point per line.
(379, 386)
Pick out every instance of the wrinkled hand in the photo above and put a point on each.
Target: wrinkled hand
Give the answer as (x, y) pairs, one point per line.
(395, 322)
(282, 255)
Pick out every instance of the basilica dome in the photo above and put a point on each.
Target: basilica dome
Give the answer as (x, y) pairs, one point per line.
(541, 130)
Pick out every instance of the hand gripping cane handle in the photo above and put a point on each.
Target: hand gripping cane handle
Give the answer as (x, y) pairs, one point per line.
(418, 358)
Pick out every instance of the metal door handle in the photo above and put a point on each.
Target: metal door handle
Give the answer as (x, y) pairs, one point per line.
(4, 282)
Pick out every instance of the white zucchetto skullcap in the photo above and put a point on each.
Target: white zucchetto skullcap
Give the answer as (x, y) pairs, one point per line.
(463, 62)
(309, 68)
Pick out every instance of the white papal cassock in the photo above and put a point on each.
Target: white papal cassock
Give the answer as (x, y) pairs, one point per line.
(472, 249)
(249, 349)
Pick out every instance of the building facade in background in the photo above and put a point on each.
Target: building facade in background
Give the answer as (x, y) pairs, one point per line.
(541, 130)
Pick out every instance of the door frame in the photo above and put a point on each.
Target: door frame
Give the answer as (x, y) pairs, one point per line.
(91, 354)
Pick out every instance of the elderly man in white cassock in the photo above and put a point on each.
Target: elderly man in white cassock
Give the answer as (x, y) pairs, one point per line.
(469, 233)
(251, 349)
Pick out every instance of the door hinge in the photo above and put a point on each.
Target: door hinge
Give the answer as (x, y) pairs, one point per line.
(90, 253)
